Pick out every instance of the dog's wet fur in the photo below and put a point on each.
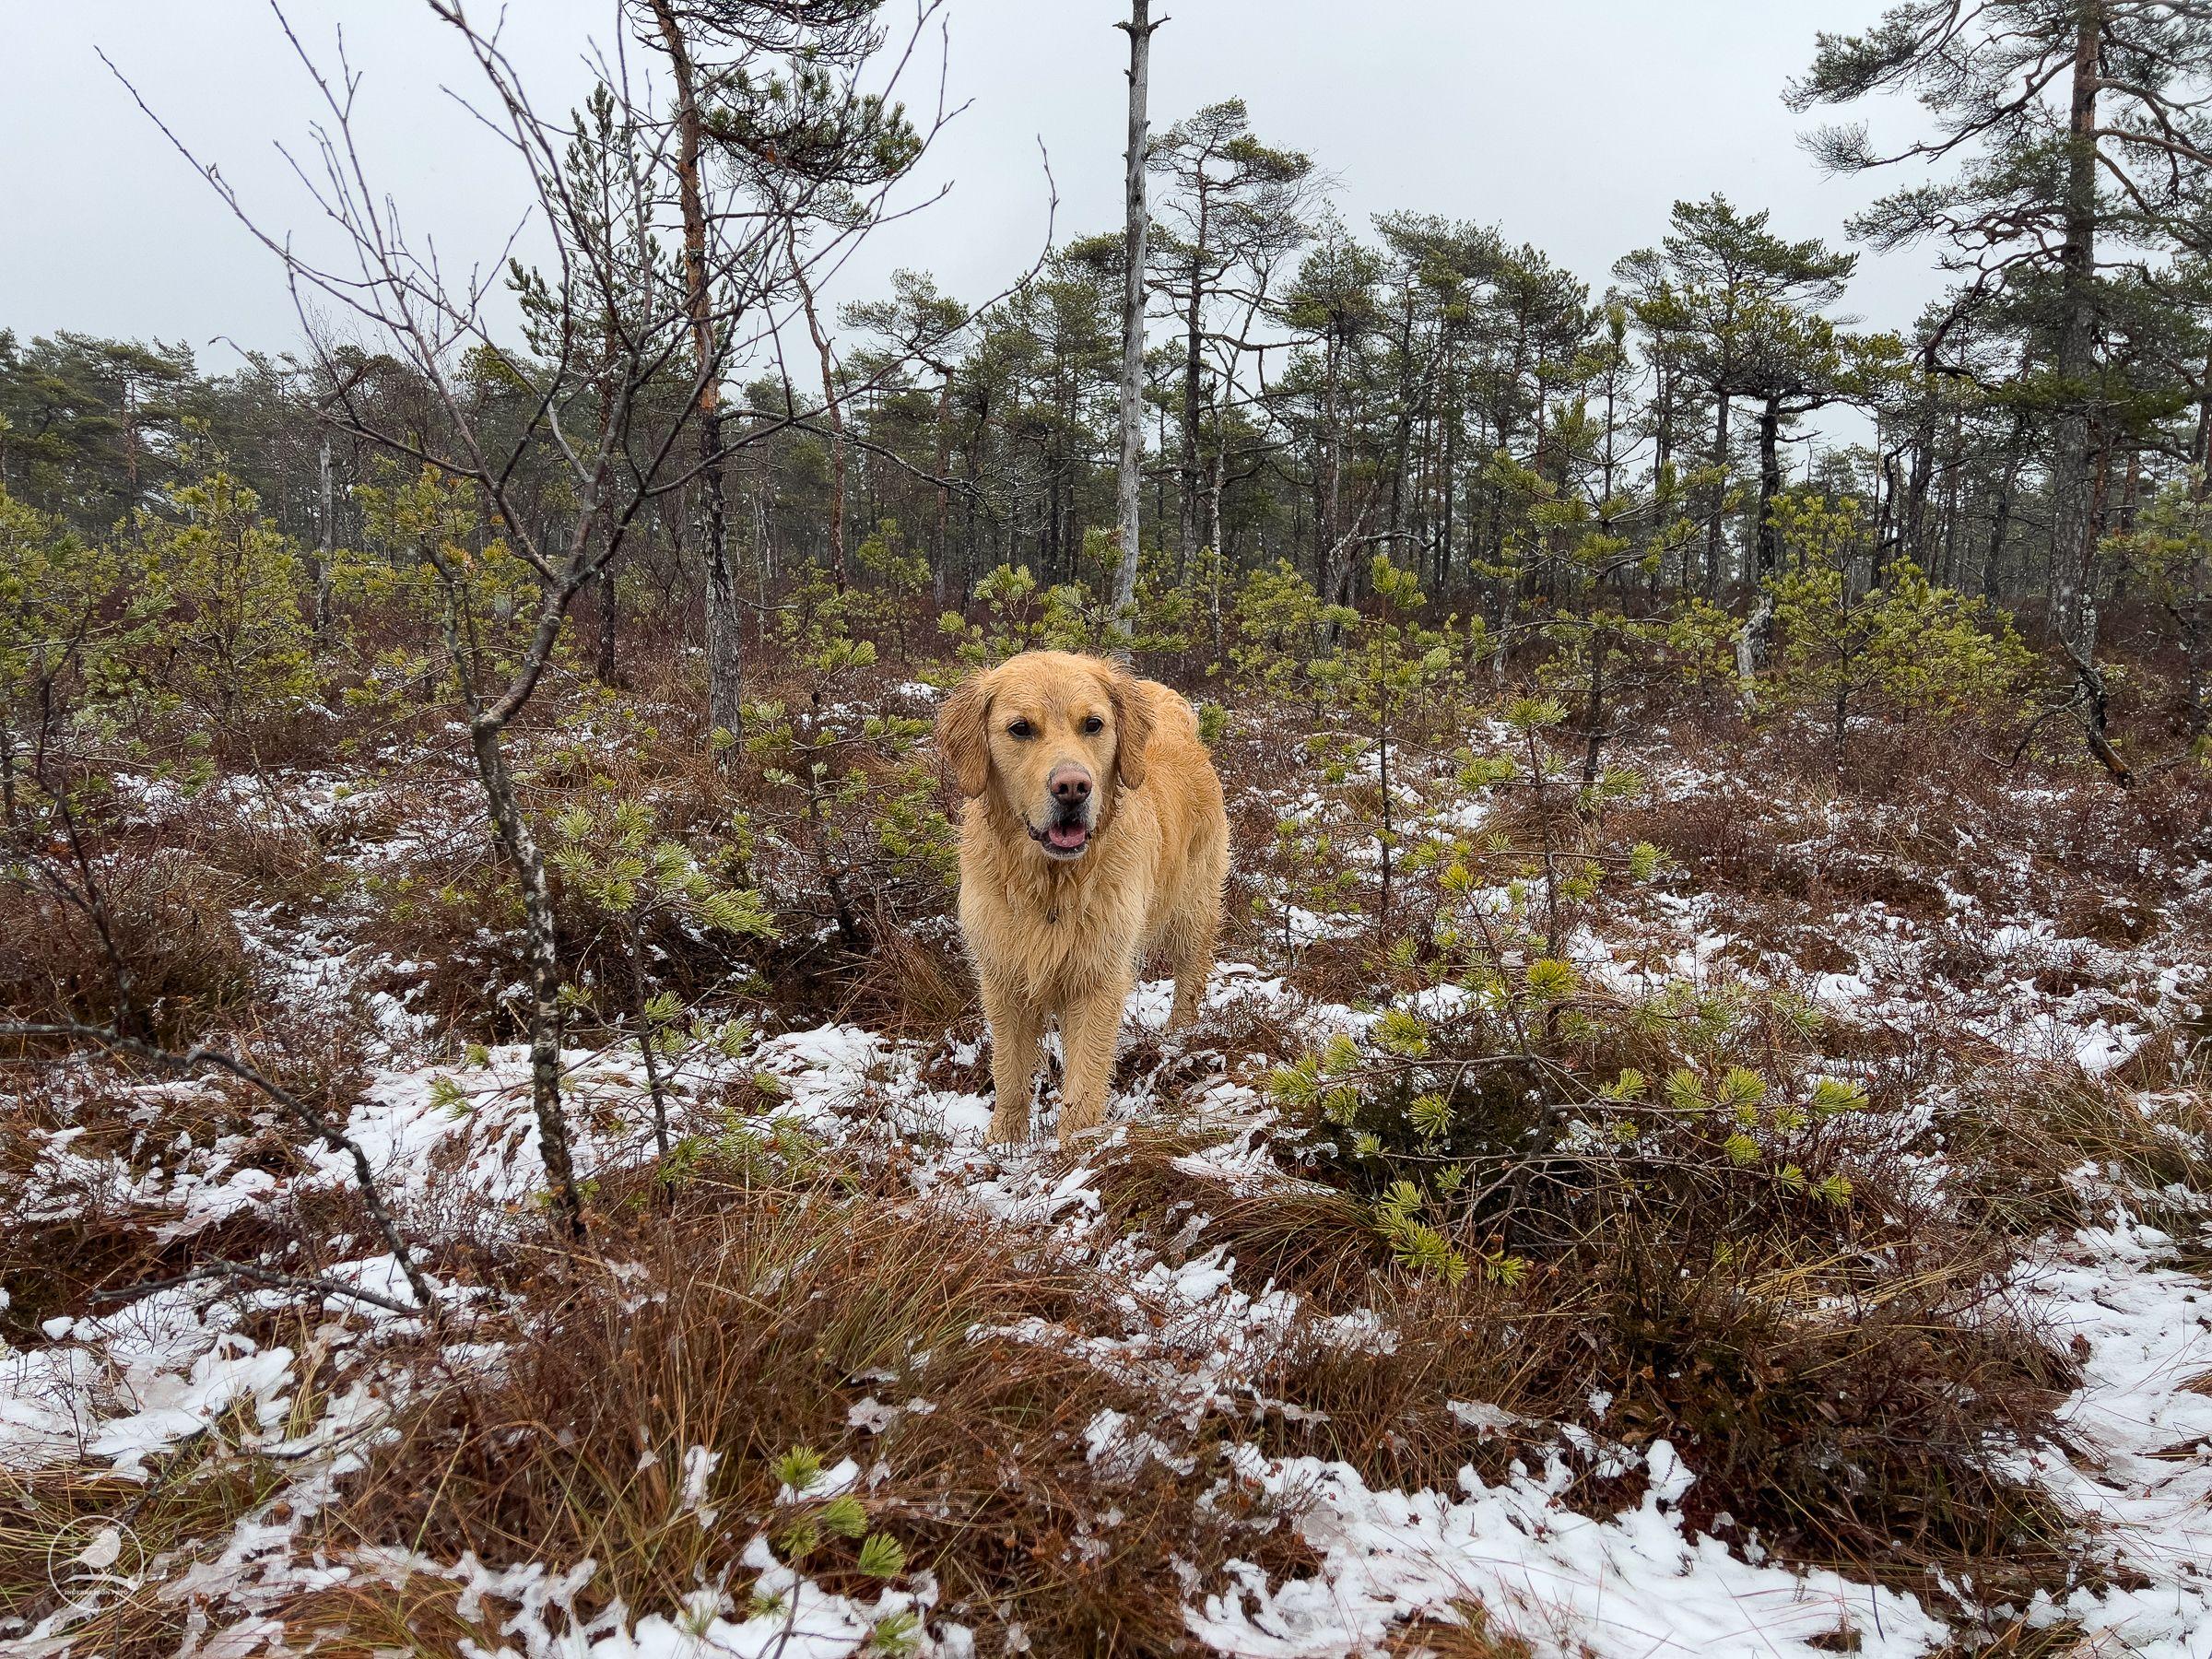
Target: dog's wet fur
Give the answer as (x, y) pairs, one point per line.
(1094, 839)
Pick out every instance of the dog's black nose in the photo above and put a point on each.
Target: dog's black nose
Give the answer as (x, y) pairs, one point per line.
(1071, 788)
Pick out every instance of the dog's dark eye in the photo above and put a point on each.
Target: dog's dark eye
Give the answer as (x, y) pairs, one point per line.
(1021, 728)
(1093, 727)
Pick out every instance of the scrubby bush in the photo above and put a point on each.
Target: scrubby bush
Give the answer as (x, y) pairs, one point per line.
(1386, 665)
(847, 795)
(1896, 645)
(72, 616)
(2169, 548)
(235, 645)
(151, 942)
(1021, 615)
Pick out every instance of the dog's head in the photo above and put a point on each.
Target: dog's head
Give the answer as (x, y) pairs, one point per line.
(1051, 733)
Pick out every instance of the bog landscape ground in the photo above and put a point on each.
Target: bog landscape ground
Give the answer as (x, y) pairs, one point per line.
(1698, 1142)
(1738, 1207)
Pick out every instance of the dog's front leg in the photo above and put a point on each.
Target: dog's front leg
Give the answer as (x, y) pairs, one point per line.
(1017, 1024)
(1090, 1027)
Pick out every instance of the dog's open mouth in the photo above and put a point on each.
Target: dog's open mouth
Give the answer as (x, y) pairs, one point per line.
(1063, 840)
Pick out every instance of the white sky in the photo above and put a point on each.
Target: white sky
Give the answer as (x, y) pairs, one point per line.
(1570, 124)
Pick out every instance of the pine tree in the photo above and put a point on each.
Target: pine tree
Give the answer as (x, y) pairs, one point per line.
(1387, 663)
(1226, 190)
(773, 92)
(1852, 632)
(235, 644)
(1740, 310)
(2075, 131)
(72, 616)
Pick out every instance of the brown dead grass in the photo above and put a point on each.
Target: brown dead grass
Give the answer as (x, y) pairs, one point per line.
(1299, 1234)
(170, 919)
(2016, 1136)
(1861, 1437)
(910, 984)
(750, 1321)
(188, 1502)
(1839, 1393)
(1836, 1385)
(2018, 1639)
(1469, 1636)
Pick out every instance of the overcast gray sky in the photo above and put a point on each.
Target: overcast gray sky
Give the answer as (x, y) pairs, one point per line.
(1570, 124)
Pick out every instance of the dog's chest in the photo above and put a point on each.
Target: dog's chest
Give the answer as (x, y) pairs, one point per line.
(1073, 934)
(1054, 937)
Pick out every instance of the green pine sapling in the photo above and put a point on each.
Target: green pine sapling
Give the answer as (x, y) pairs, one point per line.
(612, 864)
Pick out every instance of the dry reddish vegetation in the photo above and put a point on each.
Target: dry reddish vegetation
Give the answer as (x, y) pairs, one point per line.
(1841, 1375)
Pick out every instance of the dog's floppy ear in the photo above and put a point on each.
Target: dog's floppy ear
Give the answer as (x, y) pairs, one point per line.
(962, 737)
(1132, 724)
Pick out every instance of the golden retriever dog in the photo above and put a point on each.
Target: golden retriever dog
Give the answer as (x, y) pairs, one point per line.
(1093, 838)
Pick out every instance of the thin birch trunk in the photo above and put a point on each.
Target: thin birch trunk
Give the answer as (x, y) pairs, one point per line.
(329, 551)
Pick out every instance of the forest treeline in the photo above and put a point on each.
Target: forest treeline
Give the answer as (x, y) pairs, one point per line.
(1528, 446)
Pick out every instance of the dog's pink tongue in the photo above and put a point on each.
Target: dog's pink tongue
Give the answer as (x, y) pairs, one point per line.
(1067, 836)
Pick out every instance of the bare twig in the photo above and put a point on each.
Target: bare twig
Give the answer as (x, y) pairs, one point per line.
(221, 1268)
(319, 1123)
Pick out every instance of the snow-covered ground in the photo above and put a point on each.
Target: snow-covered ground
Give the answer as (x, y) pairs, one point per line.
(111, 1391)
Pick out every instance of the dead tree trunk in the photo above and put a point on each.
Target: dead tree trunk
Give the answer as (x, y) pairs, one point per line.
(1758, 629)
(833, 408)
(329, 552)
(604, 669)
(1136, 227)
(1720, 493)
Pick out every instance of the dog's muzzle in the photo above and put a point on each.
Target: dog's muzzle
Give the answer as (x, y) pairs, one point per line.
(1066, 837)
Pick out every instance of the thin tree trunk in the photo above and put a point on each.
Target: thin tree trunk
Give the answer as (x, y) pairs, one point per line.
(1451, 505)
(486, 735)
(1594, 715)
(604, 667)
(1382, 701)
(2000, 528)
(1136, 227)
(1193, 365)
(1663, 460)
(1216, 484)
(2071, 616)
(1333, 460)
(1720, 495)
(944, 471)
(726, 645)
(329, 553)
(2200, 450)
(2095, 694)
(1757, 633)
(648, 1042)
(1770, 486)
(833, 407)
(2190, 620)
(1954, 500)
(1402, 448)
(1913, 531)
